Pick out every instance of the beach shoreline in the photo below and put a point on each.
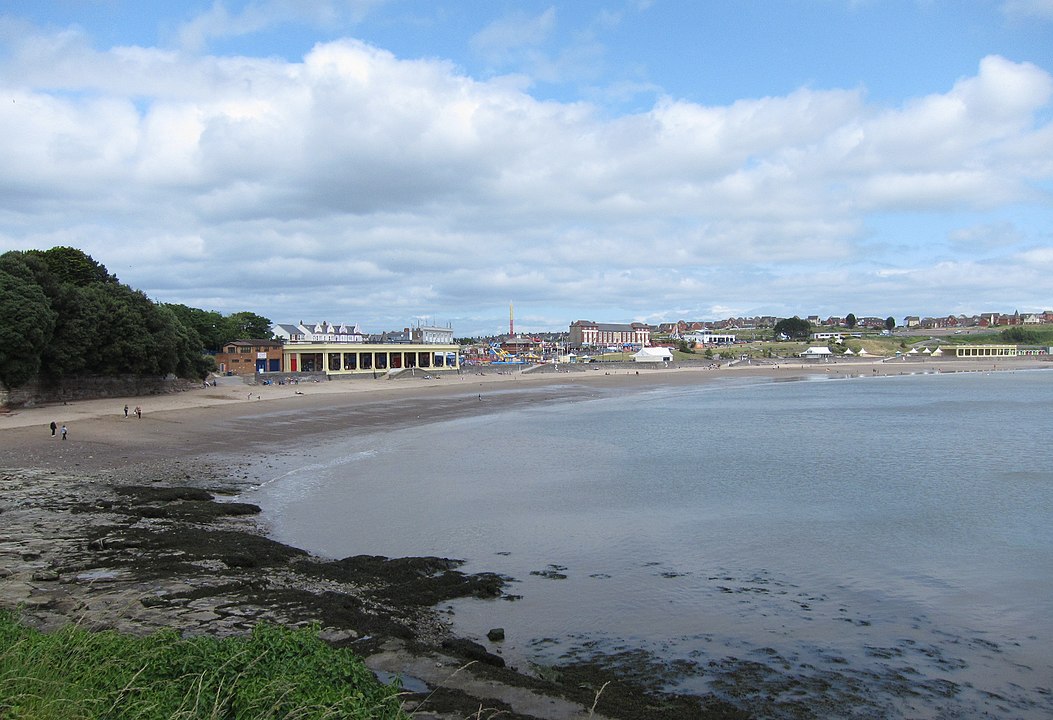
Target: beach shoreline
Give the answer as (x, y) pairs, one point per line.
(237, 391)
(128, 523)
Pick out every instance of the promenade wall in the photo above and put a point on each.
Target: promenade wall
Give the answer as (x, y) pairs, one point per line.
(36, 393)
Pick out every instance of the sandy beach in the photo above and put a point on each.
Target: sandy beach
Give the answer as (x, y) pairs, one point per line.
(233, 394)
(128, 522)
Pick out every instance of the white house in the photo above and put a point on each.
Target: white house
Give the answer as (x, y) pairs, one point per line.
(708, 338)
(817, 353)
(323, 332)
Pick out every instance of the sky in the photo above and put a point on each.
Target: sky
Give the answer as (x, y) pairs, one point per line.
(390, 163)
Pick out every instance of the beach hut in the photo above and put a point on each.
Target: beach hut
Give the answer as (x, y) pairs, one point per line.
(653, 355)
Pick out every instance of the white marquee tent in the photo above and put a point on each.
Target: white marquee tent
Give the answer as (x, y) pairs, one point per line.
(653, 355)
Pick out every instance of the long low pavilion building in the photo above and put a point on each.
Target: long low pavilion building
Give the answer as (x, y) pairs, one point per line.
(977, 351)
(366, 358)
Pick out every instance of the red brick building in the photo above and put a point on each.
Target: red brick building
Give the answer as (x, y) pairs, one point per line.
(248, 357)
(588, 333)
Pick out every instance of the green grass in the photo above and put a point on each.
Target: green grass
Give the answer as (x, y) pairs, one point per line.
(75, 674)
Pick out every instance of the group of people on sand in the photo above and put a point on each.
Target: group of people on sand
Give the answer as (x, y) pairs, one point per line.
(55, 429)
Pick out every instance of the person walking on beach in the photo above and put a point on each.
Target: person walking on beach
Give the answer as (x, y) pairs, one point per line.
(54, 427)
(63, 432)
(138, 412)
(126, 411)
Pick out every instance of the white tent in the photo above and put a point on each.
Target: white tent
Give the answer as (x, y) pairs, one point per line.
(862, 352)
(653, 355)
(848, 351)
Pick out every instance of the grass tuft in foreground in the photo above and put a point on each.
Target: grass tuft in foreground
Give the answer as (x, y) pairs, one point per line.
(75, 674)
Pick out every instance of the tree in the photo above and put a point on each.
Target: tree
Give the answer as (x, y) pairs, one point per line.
(683, 347)
(26, 324)
(794, 328)
(73, 344)
(247, 325)
(850, 321)
(890, 323)
(73, 267)
(207, 325)
(179, 342)
(62, 314)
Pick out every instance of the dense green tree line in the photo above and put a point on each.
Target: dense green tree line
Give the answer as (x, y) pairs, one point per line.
(62, 315)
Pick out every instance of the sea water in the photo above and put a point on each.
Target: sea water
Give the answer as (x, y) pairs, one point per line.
(863, 547)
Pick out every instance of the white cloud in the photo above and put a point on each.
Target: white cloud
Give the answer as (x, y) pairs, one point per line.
(219, 23)
(1029, 9)
(501, 38)
(987, 236)
(389, 188)
(525, 44)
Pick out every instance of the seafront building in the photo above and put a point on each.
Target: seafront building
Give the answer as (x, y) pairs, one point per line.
(977, 351)
(367, 358)
(344, 350)
(323, 332)
(249, 357)
(336, 355)
(709, 338)
(586, 333)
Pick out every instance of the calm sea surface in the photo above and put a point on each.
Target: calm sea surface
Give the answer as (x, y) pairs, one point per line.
(869, 547)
